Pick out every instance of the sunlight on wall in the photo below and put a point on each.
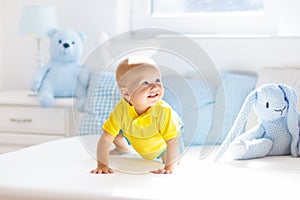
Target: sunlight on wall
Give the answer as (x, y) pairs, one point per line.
(289, 19)
(20, 51)
(1, 46)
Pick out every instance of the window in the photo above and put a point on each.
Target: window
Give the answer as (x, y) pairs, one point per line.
(185, 7)
(212, 17)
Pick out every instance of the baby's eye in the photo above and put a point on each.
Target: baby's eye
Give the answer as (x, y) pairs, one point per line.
(145, 83)
(267, 105)
(157, 80)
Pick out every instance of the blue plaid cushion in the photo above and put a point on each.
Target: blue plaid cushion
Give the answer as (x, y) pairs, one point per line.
(103, 95)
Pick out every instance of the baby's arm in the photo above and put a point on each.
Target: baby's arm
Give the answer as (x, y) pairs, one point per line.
(171, 157)
(103, 148)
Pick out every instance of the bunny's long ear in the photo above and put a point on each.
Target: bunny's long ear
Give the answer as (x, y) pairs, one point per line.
(238, 124)
(292, 116)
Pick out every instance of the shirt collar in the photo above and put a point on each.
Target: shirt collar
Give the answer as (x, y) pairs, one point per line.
(132, 113)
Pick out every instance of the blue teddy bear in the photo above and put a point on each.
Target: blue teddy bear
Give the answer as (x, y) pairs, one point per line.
(58, 77)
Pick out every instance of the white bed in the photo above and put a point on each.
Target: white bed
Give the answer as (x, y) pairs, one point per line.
(60, 170)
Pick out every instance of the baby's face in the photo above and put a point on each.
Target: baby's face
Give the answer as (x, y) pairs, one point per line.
(144, 87)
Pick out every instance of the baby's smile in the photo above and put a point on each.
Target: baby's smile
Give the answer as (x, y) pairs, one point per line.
(153, 95)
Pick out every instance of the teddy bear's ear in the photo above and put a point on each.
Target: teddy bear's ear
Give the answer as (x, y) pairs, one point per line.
(82, 36)
(52, 32)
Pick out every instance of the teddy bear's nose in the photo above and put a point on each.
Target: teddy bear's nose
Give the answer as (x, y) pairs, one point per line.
(66, 45)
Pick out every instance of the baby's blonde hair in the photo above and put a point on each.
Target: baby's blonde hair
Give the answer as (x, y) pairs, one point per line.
(130, 63)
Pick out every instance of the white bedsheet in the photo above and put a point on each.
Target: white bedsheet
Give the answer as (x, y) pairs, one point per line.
(60, 170)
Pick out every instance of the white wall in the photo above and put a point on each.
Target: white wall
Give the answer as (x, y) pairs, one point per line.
(1, 45)
(18, 57)
(252, 53)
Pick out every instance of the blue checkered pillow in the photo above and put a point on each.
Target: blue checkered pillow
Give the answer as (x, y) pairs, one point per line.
(103, 95)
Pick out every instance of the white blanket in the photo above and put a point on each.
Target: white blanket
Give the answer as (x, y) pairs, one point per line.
(60, 170)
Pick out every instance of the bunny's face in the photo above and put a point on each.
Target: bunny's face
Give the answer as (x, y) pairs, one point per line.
(270, 103)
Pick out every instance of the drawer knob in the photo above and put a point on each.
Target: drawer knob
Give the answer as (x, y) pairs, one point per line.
(23, 120)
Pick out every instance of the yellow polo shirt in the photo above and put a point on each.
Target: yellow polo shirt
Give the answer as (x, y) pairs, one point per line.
(147, 133)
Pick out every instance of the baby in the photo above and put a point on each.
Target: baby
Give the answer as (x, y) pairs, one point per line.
(142, 118)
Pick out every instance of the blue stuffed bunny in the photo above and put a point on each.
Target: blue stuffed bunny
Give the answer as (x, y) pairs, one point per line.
(277, 132)
(57, 78)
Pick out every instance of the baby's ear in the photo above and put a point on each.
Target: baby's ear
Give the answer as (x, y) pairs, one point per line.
(124, 92)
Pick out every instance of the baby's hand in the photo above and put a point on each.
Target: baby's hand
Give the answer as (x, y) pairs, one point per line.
(166, 170)
(161, 171)
(102, 169)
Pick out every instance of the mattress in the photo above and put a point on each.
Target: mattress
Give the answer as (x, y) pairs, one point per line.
(60, 170)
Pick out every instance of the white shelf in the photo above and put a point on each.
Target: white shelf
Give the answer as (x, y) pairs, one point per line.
(24, 122)
(23, 97)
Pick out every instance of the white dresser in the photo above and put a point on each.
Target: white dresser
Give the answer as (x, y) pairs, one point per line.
(23, 122)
